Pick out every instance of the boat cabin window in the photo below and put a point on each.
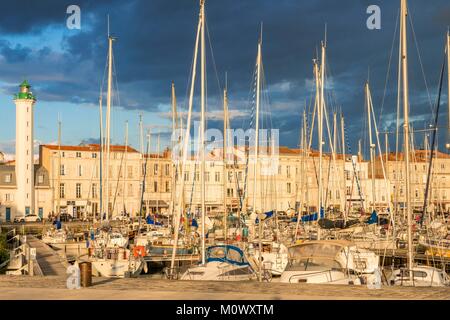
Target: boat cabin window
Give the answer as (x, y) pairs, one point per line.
(416, 274)
(218, 253)
(312, 264)
(236, 272)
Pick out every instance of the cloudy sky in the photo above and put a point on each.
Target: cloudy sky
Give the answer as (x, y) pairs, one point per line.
(66, 67)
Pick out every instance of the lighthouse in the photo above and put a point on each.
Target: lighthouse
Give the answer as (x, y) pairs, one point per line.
(24, 101)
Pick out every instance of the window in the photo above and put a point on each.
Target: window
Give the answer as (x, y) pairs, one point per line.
(197, 176)
(40, 179)
(338, 194)
(167, 186)
(78, 154)
(130, 172)
(347, 175)
(63, 154)
(80, 170)
(230, 176)
(8, 178)
(27, 211)
(130, 190)
(8, 197)
(78, 190)
(349, 191)
(155, 169)
(240, 176)
(229, 192)
(288, 171)
(62, 191)
(62, 170)
(167, 169)
(217, 177)
(288, 187)
(155, 186)
(94, 190)
(186, 176)
(279, 169)
(94, 155)
(206, 176)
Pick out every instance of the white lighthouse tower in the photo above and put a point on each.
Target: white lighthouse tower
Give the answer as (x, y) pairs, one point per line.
(24, 101)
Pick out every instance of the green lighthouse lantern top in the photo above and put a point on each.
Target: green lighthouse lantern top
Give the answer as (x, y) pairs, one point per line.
(24, 92)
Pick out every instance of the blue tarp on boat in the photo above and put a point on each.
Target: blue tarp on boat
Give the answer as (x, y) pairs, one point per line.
(373, 218)
(57, 224)
(226, 253)
(194, 223)
(268, 214)
(310, 217)
(151, 221)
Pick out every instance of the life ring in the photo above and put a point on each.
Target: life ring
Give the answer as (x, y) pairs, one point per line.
(139, 251)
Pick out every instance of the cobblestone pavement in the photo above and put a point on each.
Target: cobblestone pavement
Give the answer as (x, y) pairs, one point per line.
(53, 287)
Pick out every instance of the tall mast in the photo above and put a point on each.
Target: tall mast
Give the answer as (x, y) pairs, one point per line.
(174, 163)
(319, 130)
(185, 143)
(125, 168)
(225, 135)
(101, 159)
(344, 194)
(158, 177)
(336, 177)
(141, 149)
(371, 144)
(303, 142)
(404, 60)
(202, 132)
(59, 168)
(149, 152)
(108, 122)
(320, 127)
(255, 168)
(448, 83)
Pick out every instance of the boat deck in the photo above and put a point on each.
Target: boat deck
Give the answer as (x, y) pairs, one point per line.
(168, 257)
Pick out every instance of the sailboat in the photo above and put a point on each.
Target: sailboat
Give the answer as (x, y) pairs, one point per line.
(329, 262)
(108, 250)
(413, 275)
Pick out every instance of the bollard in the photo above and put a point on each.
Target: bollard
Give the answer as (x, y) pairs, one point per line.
(85, 274)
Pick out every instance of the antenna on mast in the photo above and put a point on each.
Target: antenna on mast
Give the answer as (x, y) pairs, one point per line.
(108, 25)
(226, 80)
(325, 39)
(261, 33)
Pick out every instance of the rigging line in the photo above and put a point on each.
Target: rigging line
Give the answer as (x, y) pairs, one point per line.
(438, 102)
(213, 59)
(117, 88)
(421, 64)
(389, 68)
(118, 181)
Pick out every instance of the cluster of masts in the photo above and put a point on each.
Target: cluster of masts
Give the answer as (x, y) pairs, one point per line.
(320, 119)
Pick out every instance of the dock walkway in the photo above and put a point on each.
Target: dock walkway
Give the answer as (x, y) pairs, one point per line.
(20, 287)
(49, 261)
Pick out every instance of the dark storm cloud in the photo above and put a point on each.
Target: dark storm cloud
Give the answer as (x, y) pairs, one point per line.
(13, 54)
(156, 41)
